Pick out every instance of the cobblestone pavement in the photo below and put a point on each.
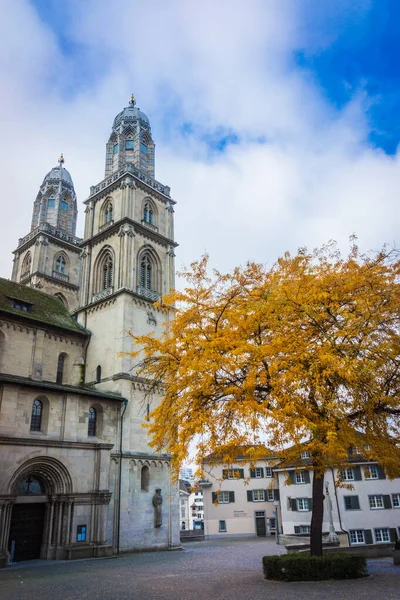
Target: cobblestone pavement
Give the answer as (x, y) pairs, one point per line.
(214, 570)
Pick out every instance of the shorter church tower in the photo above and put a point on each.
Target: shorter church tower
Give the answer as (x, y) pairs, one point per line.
(48, 257)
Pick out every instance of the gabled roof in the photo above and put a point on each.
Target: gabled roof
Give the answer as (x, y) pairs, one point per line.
(43, 308)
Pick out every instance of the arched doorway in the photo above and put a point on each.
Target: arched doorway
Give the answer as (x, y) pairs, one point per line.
(27, 519)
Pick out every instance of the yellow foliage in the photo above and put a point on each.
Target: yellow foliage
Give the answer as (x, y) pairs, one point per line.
(307, 350)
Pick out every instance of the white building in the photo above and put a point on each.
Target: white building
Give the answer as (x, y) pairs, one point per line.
(369, 513)
(239, 500)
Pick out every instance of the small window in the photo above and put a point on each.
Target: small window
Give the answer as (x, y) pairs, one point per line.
(128, 144)
(98, 374)
(60, 369)
(258, 472)
(115, 148)
(305, 529)
(347, 474)
(222, 526)
(223, 498)
(272, 523)
(268, 472)
(258, 496)
(302, 504)
(382, 535)
(36, 418)
(145, 479)
(305, 455)
(64, 205)
(60, 264)
(351, 503)
(396, 500)
(51, 202)
(376, 502)
(81, 533)
(270, 495)
(356, 536)
(371, 472)
(92, 422)
(20, 305)
(300, 477)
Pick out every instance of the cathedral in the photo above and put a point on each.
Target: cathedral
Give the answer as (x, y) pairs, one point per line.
(77, 475)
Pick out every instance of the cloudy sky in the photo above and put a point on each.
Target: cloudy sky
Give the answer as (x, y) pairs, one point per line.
(276, 121)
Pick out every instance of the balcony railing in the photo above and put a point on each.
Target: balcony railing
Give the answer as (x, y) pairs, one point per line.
(103, 294)
(106, 225)
(60, 276)
(130, 168)
(149, 225)
(149, 294)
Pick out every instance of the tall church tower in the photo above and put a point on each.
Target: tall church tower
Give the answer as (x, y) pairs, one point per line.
(48, 257)
(128, 264)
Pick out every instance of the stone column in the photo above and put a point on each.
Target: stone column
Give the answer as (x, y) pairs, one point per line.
(6, 507)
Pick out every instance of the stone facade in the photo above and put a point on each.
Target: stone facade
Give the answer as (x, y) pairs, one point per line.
(90, 489)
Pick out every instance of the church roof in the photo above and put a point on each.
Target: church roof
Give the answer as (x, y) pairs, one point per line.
(36, 306)
(130, 113)
(55, 174)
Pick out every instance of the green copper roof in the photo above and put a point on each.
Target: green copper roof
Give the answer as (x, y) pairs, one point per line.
(43, 308)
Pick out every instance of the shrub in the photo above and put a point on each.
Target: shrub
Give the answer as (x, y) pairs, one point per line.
(303, 567)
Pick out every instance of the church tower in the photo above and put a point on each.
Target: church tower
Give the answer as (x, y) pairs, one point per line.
(48, 257)
(127, 265)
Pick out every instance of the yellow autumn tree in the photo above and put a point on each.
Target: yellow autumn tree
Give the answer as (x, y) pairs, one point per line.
(305, 352)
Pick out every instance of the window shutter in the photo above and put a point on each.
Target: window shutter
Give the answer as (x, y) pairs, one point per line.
(241, 473)
(214, 497)
(381, 472)
(231, 496)
(297, 528)
(262, 471)
(368, 536)
(307, 476)
(224, 473)
(252, 473)
(393, 534)
(309, 503)
(249, 496)
(276, 494)
(357, 473)
(387, 503)
(293, 503)
(291, 479)
(354, 502)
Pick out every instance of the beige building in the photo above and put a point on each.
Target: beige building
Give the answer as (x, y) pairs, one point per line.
(77, 476)
(239, 500)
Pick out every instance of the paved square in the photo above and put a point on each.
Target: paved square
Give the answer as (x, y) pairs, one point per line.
(213, 570)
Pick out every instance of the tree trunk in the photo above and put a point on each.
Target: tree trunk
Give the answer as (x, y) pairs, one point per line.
(317, 515)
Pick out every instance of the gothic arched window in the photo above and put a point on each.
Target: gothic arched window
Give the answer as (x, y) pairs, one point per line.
(145, 479)
(60, 368)
(51, 202)
(107, 272)
(92, 422)
(146, 269)
(108, 213)
(36, 418)
(26, 264)
(148, 213)
(61, 264)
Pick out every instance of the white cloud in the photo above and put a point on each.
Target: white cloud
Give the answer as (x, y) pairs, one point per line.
(221, 64)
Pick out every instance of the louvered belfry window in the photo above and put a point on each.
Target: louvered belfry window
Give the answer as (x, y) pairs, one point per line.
(107, 272)
(145, 272)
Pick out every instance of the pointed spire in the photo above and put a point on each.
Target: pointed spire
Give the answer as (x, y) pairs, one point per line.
(132, 101)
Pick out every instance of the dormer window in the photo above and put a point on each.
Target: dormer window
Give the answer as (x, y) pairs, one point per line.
(128, 144)
(20, 305)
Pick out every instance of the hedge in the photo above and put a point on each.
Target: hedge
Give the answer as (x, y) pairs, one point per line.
(303, 567)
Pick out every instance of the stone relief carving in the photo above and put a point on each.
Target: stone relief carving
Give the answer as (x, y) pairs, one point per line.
(151, 318)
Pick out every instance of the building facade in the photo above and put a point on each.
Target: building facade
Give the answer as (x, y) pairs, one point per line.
(79, 369)
(239, 500)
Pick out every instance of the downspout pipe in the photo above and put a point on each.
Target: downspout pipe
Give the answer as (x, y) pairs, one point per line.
(120, 475)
